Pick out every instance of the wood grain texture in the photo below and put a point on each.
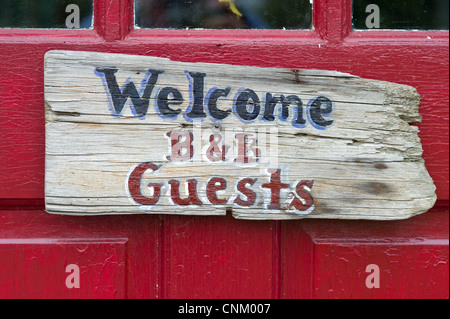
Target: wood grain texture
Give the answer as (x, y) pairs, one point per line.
(366, 165)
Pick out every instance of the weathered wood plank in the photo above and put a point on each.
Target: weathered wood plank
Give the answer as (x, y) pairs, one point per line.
(326, 144)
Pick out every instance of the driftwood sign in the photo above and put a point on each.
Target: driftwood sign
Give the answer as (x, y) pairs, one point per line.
(133, 134)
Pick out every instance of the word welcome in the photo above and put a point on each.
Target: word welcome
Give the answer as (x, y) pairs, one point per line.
(246, 105)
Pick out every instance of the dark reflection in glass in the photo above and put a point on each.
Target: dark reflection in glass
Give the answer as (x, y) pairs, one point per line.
(403, 14)
(44, 14)
(224, 14)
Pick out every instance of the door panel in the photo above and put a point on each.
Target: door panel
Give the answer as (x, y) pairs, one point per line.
(411, 255)
(117, 257)
(218, 257)
(36, 268)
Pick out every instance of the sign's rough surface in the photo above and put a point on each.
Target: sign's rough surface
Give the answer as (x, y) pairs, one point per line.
(133, 134)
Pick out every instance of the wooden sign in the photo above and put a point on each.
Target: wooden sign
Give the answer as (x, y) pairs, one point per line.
(133, 135)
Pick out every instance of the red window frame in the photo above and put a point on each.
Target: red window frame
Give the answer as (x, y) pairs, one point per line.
(417, 58)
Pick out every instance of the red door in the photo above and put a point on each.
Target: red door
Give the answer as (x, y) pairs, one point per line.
(219, 257)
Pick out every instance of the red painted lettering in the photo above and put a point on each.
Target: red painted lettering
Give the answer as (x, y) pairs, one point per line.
(247, 150)
(214, 185)
(275, 187)
(192, 198)
(304, 194)
(216, 153)
(181, 148)
(250, 194)
(134, 185)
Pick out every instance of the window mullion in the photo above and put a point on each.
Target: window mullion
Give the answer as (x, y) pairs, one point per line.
(332, 19)
(113, 19)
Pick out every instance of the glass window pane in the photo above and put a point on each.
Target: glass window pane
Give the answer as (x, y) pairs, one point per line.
(224, 14)
(46, 14)
(401, 14)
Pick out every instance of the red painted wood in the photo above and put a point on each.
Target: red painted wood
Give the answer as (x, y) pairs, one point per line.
(333, 19)
(113, 19)
(328, 259)
(217, 257)
(118, 257)
(209, 257)
(35, 268)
